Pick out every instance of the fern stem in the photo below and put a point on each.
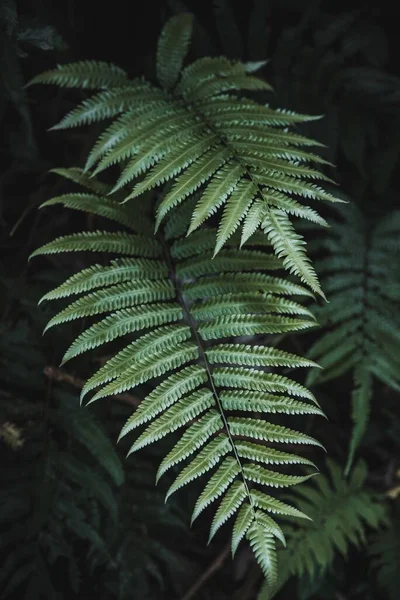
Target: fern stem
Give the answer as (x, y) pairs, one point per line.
(192, 325)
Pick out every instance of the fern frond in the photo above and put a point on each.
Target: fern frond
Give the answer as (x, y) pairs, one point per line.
(208, 457)
(358, 272)
(145, 370)
(147, 346)
(269, 456)
(385, 552)
(244, 400)
(175, 308)
(361, 399)
(195, 135)
(177, 416)
(235, 210)
(342, 511)
(172, 48)
(194, 395)
(267, 432)
(243, 282)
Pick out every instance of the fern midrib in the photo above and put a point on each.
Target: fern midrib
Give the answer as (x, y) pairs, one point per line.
(196, 338)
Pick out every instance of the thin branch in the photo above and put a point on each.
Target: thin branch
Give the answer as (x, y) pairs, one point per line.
(208, 573)
(55, 374)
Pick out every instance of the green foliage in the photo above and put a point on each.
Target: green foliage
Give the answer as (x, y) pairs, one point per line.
(385, 551)
(66, 503)
(341, 510)
(192, 330)
(52, 497)
(193, 134)
(205, 381)
(363, 327)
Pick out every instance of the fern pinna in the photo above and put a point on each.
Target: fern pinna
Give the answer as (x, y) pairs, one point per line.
(363, 329)
(182, 299)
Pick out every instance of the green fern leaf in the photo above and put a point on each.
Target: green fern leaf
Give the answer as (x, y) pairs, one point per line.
(98, 276)
(166, 393)
(268, 456)
(263, 476)
(290, 246)
(172, 48)
(114, 298)
(212, 152)
(244, 400)
(86, 74)
(357, 267)
(263, 545)
(361, 398)
(108, 104)
(267, 432)
(242, 282)
(192, 179)
(206, 459)
(144, 370)
(243, 521)
(102, 241)
(252, 379)
(232, 500)
(252, 220)
(97, 205)
(342, 509)
(218, 483)
(194, 134)
(259, 356)
(175, 417)
(216, 193)
(274, 506)
(194, 437)
(145, 348)
(235, 210)
(78, 176)
(121, 323)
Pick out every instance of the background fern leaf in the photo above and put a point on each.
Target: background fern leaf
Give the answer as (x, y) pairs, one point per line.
(172, 48)
(357, 270)
(85, 74)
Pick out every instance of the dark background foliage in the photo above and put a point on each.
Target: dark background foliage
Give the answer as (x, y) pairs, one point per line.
(76, 519)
